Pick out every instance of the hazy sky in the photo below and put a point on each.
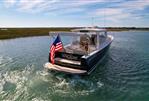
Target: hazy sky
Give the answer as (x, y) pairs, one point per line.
(62, 13)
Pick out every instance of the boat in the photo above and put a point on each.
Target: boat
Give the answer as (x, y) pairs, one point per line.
(82, 52)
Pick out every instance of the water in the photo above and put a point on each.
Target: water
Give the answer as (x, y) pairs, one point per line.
(122, 76)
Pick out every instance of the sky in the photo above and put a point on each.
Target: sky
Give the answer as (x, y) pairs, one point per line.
(74, 13)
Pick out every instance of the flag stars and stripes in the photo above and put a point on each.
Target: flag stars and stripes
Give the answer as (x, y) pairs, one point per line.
(56, 46)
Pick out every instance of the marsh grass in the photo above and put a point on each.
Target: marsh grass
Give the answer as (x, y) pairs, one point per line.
(9, 33)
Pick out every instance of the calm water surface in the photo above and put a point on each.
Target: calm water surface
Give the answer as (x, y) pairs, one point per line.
(122, 76)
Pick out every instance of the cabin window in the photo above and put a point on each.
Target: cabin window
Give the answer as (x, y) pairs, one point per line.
(93, 39)
(103, 34)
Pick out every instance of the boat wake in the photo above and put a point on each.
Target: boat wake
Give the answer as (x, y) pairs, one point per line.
(75, 87)
(30, 83)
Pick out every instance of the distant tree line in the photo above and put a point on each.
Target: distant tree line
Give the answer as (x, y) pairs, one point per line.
(7, 33)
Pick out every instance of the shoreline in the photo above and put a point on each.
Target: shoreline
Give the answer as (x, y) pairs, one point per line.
(10, 33)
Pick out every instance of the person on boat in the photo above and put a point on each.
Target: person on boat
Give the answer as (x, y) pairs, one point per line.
(84, 42)
(93, 39)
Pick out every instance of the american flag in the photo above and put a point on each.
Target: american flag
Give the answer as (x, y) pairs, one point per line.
(56, 46)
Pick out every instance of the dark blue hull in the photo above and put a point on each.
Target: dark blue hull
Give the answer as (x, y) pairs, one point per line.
(91, 62)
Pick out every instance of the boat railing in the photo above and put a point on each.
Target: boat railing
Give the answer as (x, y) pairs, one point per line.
(73, 33)
(65, 33)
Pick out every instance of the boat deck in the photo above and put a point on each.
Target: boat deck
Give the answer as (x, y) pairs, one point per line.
(79, 50)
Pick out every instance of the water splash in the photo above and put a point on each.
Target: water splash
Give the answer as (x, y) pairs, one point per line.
(17, 78)
(30, 83)
(75, 86)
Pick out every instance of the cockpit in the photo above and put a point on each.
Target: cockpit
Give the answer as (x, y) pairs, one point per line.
(83, 42)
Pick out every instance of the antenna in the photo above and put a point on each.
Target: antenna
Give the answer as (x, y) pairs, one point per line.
(92, 21)
(104, 18)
